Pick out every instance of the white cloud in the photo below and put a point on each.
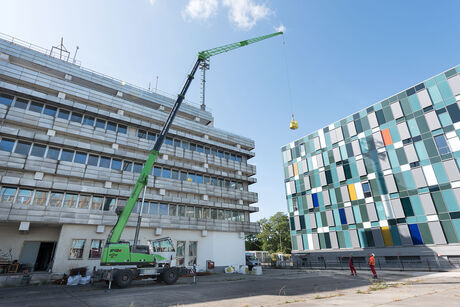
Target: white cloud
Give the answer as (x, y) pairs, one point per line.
(245, 13)
(281, 28)
(200, 9)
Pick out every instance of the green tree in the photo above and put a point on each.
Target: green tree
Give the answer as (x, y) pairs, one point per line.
(274, 234)
(253, 243)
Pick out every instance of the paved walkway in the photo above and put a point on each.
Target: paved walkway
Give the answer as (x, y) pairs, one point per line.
(274, 288)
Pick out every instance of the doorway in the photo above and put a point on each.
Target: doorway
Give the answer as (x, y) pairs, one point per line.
(37, 256)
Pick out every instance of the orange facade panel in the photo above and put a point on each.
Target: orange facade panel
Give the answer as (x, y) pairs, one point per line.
(387, 137)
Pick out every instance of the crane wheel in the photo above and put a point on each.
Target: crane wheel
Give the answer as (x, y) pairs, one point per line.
(123, 278)
(170, 275)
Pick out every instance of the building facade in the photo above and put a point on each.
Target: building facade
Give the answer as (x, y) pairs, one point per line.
(384, 180)
(72, 144)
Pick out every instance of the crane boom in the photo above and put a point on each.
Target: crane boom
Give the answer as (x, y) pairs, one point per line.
(117, 230)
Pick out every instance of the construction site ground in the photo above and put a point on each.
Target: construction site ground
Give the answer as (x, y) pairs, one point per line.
(276, 287)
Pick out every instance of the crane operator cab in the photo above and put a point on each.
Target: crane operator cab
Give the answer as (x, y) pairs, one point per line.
(294, 125)
(164, 251)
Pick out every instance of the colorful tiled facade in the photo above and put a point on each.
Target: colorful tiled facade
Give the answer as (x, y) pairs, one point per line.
(387, 176)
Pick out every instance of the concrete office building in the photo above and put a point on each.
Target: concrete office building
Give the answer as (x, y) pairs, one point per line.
(72, 143)
(384, 180)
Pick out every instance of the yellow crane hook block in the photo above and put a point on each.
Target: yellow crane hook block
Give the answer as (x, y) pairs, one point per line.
(294, 125)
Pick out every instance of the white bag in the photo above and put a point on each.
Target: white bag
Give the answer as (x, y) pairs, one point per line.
(73, 280)
(85, 280)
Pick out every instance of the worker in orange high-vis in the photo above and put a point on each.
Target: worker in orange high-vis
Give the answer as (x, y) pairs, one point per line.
(372, 264)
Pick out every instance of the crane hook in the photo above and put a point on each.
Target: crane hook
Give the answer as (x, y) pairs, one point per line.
(294, 125)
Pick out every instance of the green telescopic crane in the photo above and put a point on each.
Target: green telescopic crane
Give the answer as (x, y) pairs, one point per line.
(115, 251)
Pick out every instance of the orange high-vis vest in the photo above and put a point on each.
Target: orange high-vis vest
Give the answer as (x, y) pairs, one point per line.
(371, 260)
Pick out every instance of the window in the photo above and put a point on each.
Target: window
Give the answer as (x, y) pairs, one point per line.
(24, 197)
(76, 251)
(40, 198)
(95, 249)
(181, 211)
(151, 136)
(220, 182)
(6, 144)
(153, 208)
(175, 174)
(199, 148)
(442, 144)
(207, 150)
(83, 201)
(36, 107)
(104, 162)
(7, 195)
(109, 204)
(226, 155)
(233, 184)
(22, 148)
(198, 212)
(137, 168)
(76, 117)
(183, 175)
(180, 253)
(166, 173)
(100, 123)
(214, 214)
(21, 103)
(191, 177)
(111, 126)
(116, 164)
(127, 166)
(220, 214)
(93, 160)
(51, 111)
(88, 120)
(6, 99)
(239, 158)
(206, 180)
(213, 181)
(141, 134)
(199, 179)
(172, 210)
(232, 157)
(157, 171)
(70, 200)
(56, 199)
(67, 155)
(176, 143)
(220, 154)
(80, 157)
(64, 114)
(185, 145)
(239, 186)
(38, 150)
(53, 153)
(168, 141)
(122, 129)
(206, 213)
(96, 203)
(192, 252)
(163, 209)
(213, 152)
(192, 147)
(367, 189)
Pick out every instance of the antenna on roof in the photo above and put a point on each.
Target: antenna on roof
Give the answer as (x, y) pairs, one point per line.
(75, 55)
(62, 49)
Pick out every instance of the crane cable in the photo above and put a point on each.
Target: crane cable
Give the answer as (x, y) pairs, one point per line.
(293, 124)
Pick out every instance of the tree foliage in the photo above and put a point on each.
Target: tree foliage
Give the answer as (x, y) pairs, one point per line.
(274, 235)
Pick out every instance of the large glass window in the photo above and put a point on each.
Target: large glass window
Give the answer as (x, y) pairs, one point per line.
(192, 147)
(367, 189)
(111, 126)
(76, 251)
(24, 197)
(192, 252)
(141, 134)
(93, 160)
(36, 107)
(175, 174)
(122, 129)
(116, 164)
(8, 195)
(199, 179)
(189, 211)
(96, 203)
(127, 166)
(164, 209)
(176, 143)
(70, 200)
(168, 141)
(100, 123)
(51, 111)
(80, 157)
(67, 155)
(185, 145)
(151, 136)
(180, 210)
(21, 103)
(198, 212)
(22, 148)
(83, 201)
(199, 148)
(56, 199)
(183, 175)
(214, 214)
(157, 171)
(40, 198)
(109, 204)
(76, 117)
(95, 251)
(53, 153)
(441, 143)
(153, 208)
(88, 120)
(38, 150)
(137, 168)
(180, 253)
(166, 173)
(206, 213)
(6, 99)
(6, 144)
(104, 162)
(64, 114)
(220, 214)
(172, 210)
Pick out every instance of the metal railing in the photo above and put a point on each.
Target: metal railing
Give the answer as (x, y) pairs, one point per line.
(381, 264)
(55, 54)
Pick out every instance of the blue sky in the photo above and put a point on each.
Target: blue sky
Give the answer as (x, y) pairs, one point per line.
(342, 56)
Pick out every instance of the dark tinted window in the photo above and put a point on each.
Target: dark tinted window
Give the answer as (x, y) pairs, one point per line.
(53, 153)
(127, 166)
(6, 144)
(192, 147)
(199, 148)
(76, 117)
(36, 107)
(64, 114)
(168, 141)
(116, 164)
(38, 150)
(166, 173)
(156, 171)
(88, 120)
(104, 162)
(6, 99)
(67, 155)
(141, 134)
(239, 158)
(100, 123)
(111, 126)
(21, 103)
(93, 160)
(151, 136)
(137, 168)
(22, 148)
(49, 110)
(80, 157)
(122, 129)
